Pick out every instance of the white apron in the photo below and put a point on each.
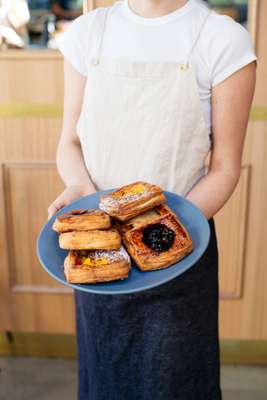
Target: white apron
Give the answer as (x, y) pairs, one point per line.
(142, 121)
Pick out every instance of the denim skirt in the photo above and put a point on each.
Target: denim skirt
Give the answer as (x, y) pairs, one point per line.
(161, 343)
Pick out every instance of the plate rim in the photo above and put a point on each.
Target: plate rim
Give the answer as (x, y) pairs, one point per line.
(80, 287)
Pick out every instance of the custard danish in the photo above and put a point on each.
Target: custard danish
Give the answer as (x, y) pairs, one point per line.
(131, 200)
(90, 266)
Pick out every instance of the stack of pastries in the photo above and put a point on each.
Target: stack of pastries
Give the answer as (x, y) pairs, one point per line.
(95, 250)
(136, 216)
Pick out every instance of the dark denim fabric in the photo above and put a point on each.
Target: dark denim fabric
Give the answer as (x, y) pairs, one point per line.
(160, 343)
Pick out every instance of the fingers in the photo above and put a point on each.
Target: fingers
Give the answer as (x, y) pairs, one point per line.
(54, 207)
(70, 194)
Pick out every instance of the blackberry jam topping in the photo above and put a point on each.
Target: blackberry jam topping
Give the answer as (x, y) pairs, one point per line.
(158, 237)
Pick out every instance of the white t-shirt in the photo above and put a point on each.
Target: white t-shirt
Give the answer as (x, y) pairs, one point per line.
(224, 45)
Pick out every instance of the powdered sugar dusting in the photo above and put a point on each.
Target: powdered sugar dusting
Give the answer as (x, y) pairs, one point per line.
(110, 202)
(110, 255)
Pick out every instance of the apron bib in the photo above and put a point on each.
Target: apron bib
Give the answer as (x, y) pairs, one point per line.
(142, 121)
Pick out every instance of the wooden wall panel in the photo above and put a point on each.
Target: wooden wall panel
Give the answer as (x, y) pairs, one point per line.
(33, 139)
(5, 294)
(246, 317)
(260, 29)
(31, 102)
(31, 77)
(43, 312)
(28, 188)
(91, 4)
(231, 225)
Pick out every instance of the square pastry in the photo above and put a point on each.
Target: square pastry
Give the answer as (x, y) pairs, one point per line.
(108, 239)
(90, 266)
(131, 200)
(81, 220)
(155, 239)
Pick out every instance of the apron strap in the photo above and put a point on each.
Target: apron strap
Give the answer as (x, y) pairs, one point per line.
(103, 18)
(196, 39)
(103, 13)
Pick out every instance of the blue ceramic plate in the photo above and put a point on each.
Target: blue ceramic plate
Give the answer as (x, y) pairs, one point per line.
(52, 257)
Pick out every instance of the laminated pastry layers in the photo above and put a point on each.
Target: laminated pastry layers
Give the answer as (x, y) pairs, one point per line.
(94, 244)
(81, 220)
(91, 266)
(108, 239)
(156, 239)
(131, 200)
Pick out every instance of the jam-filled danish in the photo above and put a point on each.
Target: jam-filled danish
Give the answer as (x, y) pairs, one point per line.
(155, 239)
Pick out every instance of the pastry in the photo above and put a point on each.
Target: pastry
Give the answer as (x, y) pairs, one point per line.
(142, 219)
(89, 266)
(108, 239)
(81, 220)
(155, 239)
(131, 200)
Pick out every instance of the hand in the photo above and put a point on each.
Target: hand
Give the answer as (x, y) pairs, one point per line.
(70, 194)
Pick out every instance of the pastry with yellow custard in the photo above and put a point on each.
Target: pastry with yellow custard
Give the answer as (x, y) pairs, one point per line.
(90, 266)
(131, 200)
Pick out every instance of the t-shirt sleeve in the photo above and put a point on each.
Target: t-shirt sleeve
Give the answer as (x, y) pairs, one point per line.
(228, 47)
(74, 42)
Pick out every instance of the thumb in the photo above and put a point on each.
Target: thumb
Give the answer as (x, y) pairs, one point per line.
(57, 205)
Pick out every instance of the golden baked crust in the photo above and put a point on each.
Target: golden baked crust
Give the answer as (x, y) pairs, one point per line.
(108, 239)
(143, 219)
(131, 200)
(145, 257)
(90, 266)
(81, 220)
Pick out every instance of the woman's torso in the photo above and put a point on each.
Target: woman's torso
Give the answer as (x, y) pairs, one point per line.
(110, 118)
(224, 45)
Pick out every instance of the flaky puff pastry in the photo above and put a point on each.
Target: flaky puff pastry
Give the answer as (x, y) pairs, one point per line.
(131, 200)
(90, 266)
(81, 220)
(145, 257)
(142, 219)
(108, 239)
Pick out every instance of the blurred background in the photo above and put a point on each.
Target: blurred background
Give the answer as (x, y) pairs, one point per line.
(37, 325)
(35, 23)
